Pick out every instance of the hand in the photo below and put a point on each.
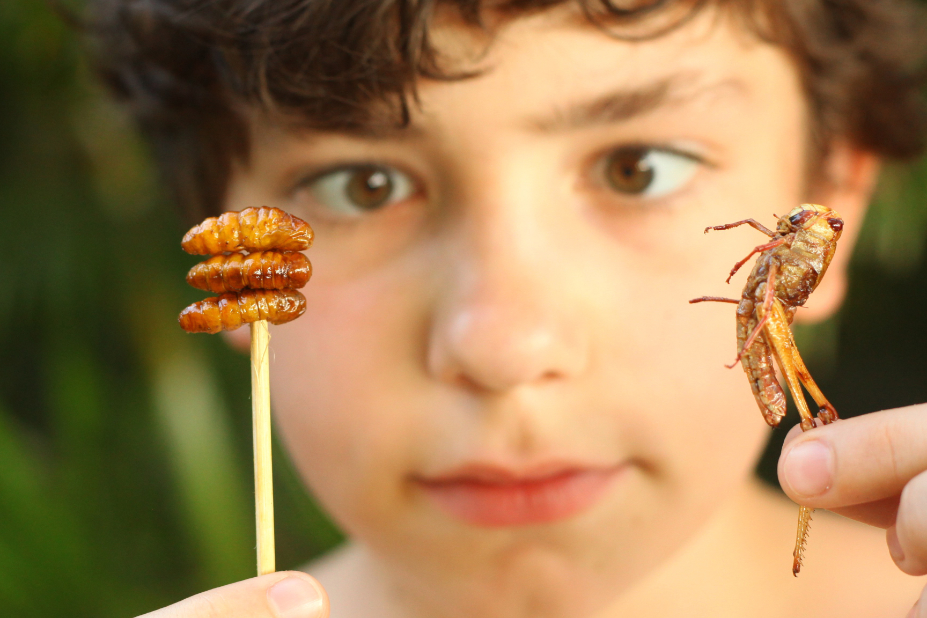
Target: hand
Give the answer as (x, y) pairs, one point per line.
(287, 594)
(871, 468)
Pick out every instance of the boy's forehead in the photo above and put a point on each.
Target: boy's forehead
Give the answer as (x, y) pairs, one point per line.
(561, 73)
(554, 72)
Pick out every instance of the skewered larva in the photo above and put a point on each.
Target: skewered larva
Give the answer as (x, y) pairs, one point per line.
(269, 270)
(252, 229)
(231, 310)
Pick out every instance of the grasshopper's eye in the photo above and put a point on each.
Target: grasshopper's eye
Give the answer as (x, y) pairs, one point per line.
(647, 171)
(352, 191)
(801, 217)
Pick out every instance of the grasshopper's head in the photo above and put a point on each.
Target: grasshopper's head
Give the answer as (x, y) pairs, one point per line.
(821, 221)
(816, 231)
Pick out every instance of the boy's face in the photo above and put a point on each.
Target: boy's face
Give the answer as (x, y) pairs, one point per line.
(498, 384)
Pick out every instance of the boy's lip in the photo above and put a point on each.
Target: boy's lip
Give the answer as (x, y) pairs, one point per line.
(496, 496)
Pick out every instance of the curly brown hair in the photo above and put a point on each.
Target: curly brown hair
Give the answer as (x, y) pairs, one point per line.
(188, 69)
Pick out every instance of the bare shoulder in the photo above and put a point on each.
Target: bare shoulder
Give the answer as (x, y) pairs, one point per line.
(848, 571)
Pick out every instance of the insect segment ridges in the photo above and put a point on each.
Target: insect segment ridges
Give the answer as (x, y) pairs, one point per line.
(231, 310)
(258, 285)
(268, 270)
(252, 229)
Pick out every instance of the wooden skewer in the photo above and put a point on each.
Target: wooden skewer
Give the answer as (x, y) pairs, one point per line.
(263, 468)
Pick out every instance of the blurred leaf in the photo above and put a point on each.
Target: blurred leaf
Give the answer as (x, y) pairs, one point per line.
(895, 231)
(125, 474)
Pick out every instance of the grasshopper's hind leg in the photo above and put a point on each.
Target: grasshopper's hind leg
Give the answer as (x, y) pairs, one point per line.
(783, 347)
(826, 411)
(780, 340)
(801, 537)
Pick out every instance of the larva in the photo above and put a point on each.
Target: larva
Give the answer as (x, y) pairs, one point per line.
(259, 270)
(252, 229)
(231, 310)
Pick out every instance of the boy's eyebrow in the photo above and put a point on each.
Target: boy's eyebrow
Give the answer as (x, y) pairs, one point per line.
(387, 131)
(609, 108)
(623, 105)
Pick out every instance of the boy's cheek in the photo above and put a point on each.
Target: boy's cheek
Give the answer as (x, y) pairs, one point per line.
(343, 398)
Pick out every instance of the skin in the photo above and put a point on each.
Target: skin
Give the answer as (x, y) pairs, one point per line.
(515, 307)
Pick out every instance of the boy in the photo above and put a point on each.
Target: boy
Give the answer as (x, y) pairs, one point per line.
(499, 390)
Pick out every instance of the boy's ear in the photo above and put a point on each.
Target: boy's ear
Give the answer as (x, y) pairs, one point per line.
(849, 179)
(240, 338)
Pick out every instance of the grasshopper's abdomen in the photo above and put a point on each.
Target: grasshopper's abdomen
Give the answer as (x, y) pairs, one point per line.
(758, 365)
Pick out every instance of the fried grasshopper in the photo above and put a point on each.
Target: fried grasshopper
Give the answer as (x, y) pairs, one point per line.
(787, 271)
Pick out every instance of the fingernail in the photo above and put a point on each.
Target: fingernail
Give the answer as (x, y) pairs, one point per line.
(809, 468)
(295, 598)
(894, 546)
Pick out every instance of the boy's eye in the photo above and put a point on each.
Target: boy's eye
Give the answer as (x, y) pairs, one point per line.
(358, 189)
(648, 172)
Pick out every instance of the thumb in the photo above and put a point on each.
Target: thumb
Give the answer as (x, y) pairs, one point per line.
(288, 594)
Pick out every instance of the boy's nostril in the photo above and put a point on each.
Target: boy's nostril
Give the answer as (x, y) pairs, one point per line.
(467, 383)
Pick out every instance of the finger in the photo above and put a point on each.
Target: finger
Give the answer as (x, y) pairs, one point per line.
(907, 540)
(288, 594)
(793, 433)
(796, 431)
(881, 513)
(858, 460)
(920, 607)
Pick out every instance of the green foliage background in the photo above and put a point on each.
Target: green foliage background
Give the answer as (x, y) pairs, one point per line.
(125, 470)
(125, 474)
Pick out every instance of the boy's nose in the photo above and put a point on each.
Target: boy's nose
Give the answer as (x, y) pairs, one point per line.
(495, 344)
(504, 318)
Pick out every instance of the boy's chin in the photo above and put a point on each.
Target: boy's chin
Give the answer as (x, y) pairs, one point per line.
(571, 568)
(529, 581)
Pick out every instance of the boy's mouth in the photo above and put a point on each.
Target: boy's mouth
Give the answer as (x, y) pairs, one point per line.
(493, 496)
